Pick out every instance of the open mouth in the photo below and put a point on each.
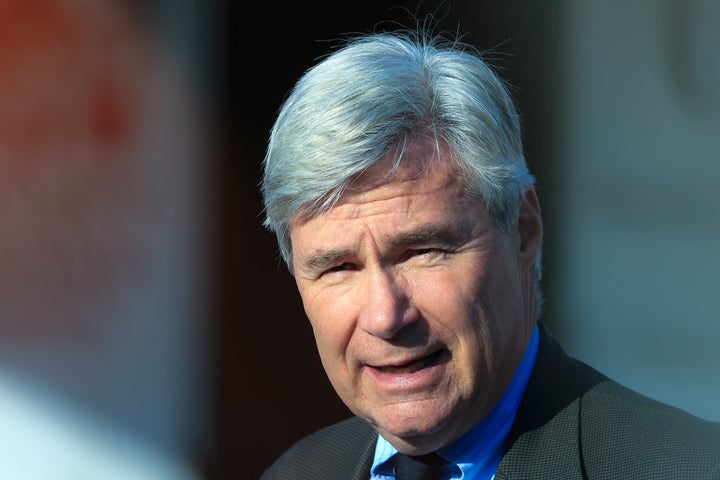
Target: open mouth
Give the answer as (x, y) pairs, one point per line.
(412, 367)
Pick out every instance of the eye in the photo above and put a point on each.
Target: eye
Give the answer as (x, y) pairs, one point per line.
(427, 252)
(339, 268)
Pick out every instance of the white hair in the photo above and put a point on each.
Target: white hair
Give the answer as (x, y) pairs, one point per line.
(370, 98)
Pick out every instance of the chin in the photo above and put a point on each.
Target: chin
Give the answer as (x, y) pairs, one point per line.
(412, 427)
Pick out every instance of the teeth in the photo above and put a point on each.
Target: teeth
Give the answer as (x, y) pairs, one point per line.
(410, 367)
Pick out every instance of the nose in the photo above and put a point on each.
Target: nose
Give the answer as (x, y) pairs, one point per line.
(388, 306)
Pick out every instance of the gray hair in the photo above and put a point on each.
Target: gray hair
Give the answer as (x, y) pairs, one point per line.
(371, 98)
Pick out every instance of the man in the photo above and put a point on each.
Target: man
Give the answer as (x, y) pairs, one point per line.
(396, 185)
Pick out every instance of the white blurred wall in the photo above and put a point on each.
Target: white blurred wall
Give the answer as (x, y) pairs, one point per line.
(639, 208)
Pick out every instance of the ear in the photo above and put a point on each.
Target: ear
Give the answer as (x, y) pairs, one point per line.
(530, 229)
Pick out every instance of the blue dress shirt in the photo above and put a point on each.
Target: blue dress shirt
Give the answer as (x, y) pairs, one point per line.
(476, 455)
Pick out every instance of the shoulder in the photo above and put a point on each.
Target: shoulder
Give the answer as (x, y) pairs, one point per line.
(338, 451)
(625, 429)
(575, 422)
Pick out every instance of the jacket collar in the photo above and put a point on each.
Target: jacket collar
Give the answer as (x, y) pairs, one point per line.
(544, 441)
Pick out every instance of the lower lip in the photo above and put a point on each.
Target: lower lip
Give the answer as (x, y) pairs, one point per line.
(428, 375)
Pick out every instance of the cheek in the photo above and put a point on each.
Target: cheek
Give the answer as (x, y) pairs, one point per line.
(332, 323)
(458, 306)
(333, 329)
(449, 299)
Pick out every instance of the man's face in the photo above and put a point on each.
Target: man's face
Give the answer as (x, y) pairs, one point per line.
(420, 306)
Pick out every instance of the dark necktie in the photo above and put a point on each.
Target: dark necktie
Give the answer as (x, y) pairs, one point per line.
(417, 468)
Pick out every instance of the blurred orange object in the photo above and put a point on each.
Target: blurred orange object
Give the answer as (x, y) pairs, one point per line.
(77, 201)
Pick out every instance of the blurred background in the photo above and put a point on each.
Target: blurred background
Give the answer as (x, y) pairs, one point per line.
(148, 329)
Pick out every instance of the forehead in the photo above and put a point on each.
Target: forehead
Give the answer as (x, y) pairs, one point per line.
(423, 164)
(421, 190)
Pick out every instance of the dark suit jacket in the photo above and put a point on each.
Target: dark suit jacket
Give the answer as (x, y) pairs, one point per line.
(573, 423)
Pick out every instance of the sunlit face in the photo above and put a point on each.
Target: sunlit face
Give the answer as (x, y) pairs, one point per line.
(420, 306)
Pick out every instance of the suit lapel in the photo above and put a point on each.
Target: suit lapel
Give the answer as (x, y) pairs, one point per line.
(544, 439)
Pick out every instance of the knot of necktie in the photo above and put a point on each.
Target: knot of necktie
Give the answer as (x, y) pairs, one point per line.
(421, 467)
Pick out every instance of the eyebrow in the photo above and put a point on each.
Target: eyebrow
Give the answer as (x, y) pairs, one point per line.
(324, 259)
(425, 234)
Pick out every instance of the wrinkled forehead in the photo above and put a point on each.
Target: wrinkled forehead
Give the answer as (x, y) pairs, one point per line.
(423, 160)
